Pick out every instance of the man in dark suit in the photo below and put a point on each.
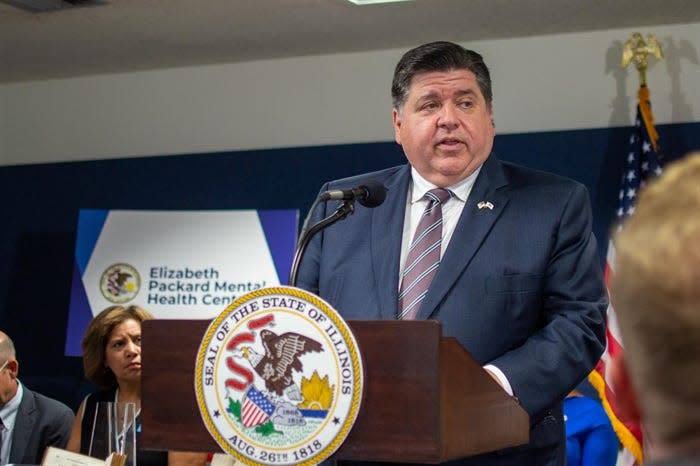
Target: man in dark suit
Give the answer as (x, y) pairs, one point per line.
(519, 284)
(30, 421)
(657, 302)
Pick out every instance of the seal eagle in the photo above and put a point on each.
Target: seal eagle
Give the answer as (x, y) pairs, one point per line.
(281, 356)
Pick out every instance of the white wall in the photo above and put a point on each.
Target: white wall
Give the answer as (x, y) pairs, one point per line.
(543, 83)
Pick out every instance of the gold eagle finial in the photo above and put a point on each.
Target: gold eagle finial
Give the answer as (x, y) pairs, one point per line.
(637, 48)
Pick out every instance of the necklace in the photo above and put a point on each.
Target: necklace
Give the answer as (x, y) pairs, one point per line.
(116, 402)
(126, 424)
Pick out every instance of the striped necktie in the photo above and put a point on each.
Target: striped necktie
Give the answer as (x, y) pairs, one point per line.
(423, 256)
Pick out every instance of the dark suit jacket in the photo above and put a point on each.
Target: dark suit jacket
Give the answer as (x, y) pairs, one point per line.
(40, 422)
(520, 285)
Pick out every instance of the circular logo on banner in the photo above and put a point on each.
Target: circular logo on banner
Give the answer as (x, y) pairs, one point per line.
(120, 283)
(279, 378)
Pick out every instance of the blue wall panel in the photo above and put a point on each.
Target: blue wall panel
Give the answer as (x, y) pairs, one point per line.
(41, 202)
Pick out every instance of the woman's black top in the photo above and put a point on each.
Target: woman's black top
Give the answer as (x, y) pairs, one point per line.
(143, 458)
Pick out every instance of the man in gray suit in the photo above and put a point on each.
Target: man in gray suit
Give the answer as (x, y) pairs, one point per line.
(30, 421)
(516, 278)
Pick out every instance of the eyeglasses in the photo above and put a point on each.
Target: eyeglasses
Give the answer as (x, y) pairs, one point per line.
(4, 365)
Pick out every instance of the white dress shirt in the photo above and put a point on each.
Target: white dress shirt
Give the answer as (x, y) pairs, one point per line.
(8, 414)
(451, 211)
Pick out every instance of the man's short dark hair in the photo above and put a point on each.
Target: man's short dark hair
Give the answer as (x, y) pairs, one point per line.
(438, 56)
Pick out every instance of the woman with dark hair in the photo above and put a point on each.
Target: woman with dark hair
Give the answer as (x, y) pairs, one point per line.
(112, 360)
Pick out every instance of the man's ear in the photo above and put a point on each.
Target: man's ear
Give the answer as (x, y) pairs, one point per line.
(624, 391)
(13, 367)
(396, 122)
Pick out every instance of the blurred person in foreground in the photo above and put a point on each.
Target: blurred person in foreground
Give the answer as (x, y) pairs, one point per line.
(112, 360)
(29, 421)
(517, 279)
(656, 291)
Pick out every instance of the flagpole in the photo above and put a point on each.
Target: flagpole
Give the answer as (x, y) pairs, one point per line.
(641, 162)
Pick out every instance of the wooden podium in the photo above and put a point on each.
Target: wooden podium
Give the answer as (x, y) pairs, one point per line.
(426, 400)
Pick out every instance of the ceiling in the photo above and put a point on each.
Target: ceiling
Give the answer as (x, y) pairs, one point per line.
(129, 35)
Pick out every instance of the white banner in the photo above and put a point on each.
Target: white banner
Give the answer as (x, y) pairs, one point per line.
(176, 264)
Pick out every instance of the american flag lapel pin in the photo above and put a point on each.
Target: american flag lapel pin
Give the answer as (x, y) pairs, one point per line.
(485, 204)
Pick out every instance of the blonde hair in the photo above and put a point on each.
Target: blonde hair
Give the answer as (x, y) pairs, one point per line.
(656, 292)
(96, 337)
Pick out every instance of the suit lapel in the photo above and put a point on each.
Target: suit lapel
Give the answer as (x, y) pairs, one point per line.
(387, 228)
(24, 423)
(472, 228)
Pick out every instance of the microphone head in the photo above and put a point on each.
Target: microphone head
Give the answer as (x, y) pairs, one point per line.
(375, 193)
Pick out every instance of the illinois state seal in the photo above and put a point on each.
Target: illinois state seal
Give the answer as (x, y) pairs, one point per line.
(120, 283)
(279, 378)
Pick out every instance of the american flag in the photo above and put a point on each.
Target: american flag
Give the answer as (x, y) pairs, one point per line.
(256, 408)
(642, 164)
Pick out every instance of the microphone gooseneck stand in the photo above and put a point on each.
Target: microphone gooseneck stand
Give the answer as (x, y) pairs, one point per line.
(345, 209)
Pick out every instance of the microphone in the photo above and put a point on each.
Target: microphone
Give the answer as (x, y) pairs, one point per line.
(370, 194)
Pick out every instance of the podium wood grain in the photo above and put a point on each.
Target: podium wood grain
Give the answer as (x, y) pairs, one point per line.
(426, 400)
(170, 418)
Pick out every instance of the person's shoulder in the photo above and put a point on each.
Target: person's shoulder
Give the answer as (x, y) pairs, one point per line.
(530, 185)
(45, 403)
(357, 180)
(103, 394)
(520, 174)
